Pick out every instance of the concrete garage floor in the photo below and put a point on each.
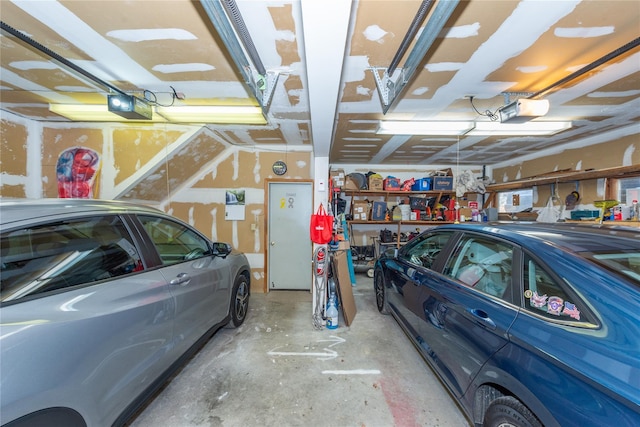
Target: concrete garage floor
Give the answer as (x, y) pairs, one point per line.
(277, 370)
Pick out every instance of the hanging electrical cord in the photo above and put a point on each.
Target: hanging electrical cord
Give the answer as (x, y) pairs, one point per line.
(487, 113)
(152, 98)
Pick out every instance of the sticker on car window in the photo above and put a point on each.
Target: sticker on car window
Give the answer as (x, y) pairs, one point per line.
(537, 301)
(554, 305)
(571, 310)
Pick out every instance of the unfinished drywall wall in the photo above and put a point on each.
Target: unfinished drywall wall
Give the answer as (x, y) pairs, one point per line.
(133, 148)
(184, 170)
(202, 203)
(13, 158)
(174, 167)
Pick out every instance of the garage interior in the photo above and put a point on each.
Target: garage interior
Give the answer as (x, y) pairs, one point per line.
(223, 91)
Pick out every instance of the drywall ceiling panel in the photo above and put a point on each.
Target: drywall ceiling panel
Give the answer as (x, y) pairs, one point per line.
(149, 48)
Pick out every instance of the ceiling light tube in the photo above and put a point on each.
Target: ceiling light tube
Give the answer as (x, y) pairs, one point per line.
(518, 129)
(249, 115)
(92, 113)
(424, 128)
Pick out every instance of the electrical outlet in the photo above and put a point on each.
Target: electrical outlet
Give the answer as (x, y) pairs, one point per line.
(254, 227)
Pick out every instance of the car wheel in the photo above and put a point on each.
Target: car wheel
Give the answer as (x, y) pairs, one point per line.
(381, 292)
(508, 411)
(239, 301)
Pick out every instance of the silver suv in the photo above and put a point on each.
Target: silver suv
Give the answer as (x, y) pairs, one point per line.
(100, 302)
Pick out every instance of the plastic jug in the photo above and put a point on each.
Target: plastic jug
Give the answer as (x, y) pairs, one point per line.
(332, 312)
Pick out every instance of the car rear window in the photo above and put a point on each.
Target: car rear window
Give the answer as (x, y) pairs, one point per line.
(544, 296)
(625, 263)
(63, 254)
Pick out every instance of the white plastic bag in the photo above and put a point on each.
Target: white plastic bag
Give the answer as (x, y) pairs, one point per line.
(550, 213)
(467, 182)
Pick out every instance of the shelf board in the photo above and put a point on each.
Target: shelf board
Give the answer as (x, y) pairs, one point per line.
(404, 222)
(394, 193)
(568, 176)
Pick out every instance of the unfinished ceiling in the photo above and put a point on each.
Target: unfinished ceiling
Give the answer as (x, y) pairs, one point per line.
(325, 54)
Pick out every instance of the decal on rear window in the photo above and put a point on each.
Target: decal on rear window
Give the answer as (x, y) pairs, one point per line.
(554, 305)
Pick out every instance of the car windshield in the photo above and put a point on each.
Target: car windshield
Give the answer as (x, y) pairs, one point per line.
(626, 263)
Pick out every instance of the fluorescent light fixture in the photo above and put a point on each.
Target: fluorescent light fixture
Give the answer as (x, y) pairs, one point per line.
(496, 128)
(522, 110)
(517, 129)
(424, 128)
(90, 113)
(248, 115)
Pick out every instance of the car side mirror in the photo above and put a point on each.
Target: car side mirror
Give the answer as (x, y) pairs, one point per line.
(221, 249)
(391, 252)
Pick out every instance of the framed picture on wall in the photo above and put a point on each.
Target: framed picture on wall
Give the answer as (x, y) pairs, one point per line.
(234, 205)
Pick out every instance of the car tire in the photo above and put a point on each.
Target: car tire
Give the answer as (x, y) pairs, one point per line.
(239, 305)
(381, 292)
(508, 411)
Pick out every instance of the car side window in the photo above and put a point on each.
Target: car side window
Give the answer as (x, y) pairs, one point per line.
(64, 254)
(424, 249)
(545, 297)
(174, 241)
(483, 264)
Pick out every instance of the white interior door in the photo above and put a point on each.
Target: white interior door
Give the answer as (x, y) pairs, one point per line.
(289, 248)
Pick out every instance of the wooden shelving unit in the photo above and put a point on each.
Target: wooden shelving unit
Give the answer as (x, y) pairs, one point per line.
(386, 194)
(560, 177)
(365, 194)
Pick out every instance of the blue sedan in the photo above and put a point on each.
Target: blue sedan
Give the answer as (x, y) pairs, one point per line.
(526, 324)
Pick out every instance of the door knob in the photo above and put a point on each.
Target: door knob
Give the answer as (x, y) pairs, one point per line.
(273, 243)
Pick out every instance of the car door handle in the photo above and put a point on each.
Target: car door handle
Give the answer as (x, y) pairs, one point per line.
(482, 318)
(181, 279)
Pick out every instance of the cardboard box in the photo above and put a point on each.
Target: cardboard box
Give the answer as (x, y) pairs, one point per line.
(375, 183)
(344, 286)
(443, 183)
(378, 211)
(360, 210)
(391, 183)
(422, 184)
(337, 177)
(464, 214)
(350, 184)
(344, 245)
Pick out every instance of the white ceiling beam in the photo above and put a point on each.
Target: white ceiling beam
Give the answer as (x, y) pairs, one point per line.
(325, 24)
